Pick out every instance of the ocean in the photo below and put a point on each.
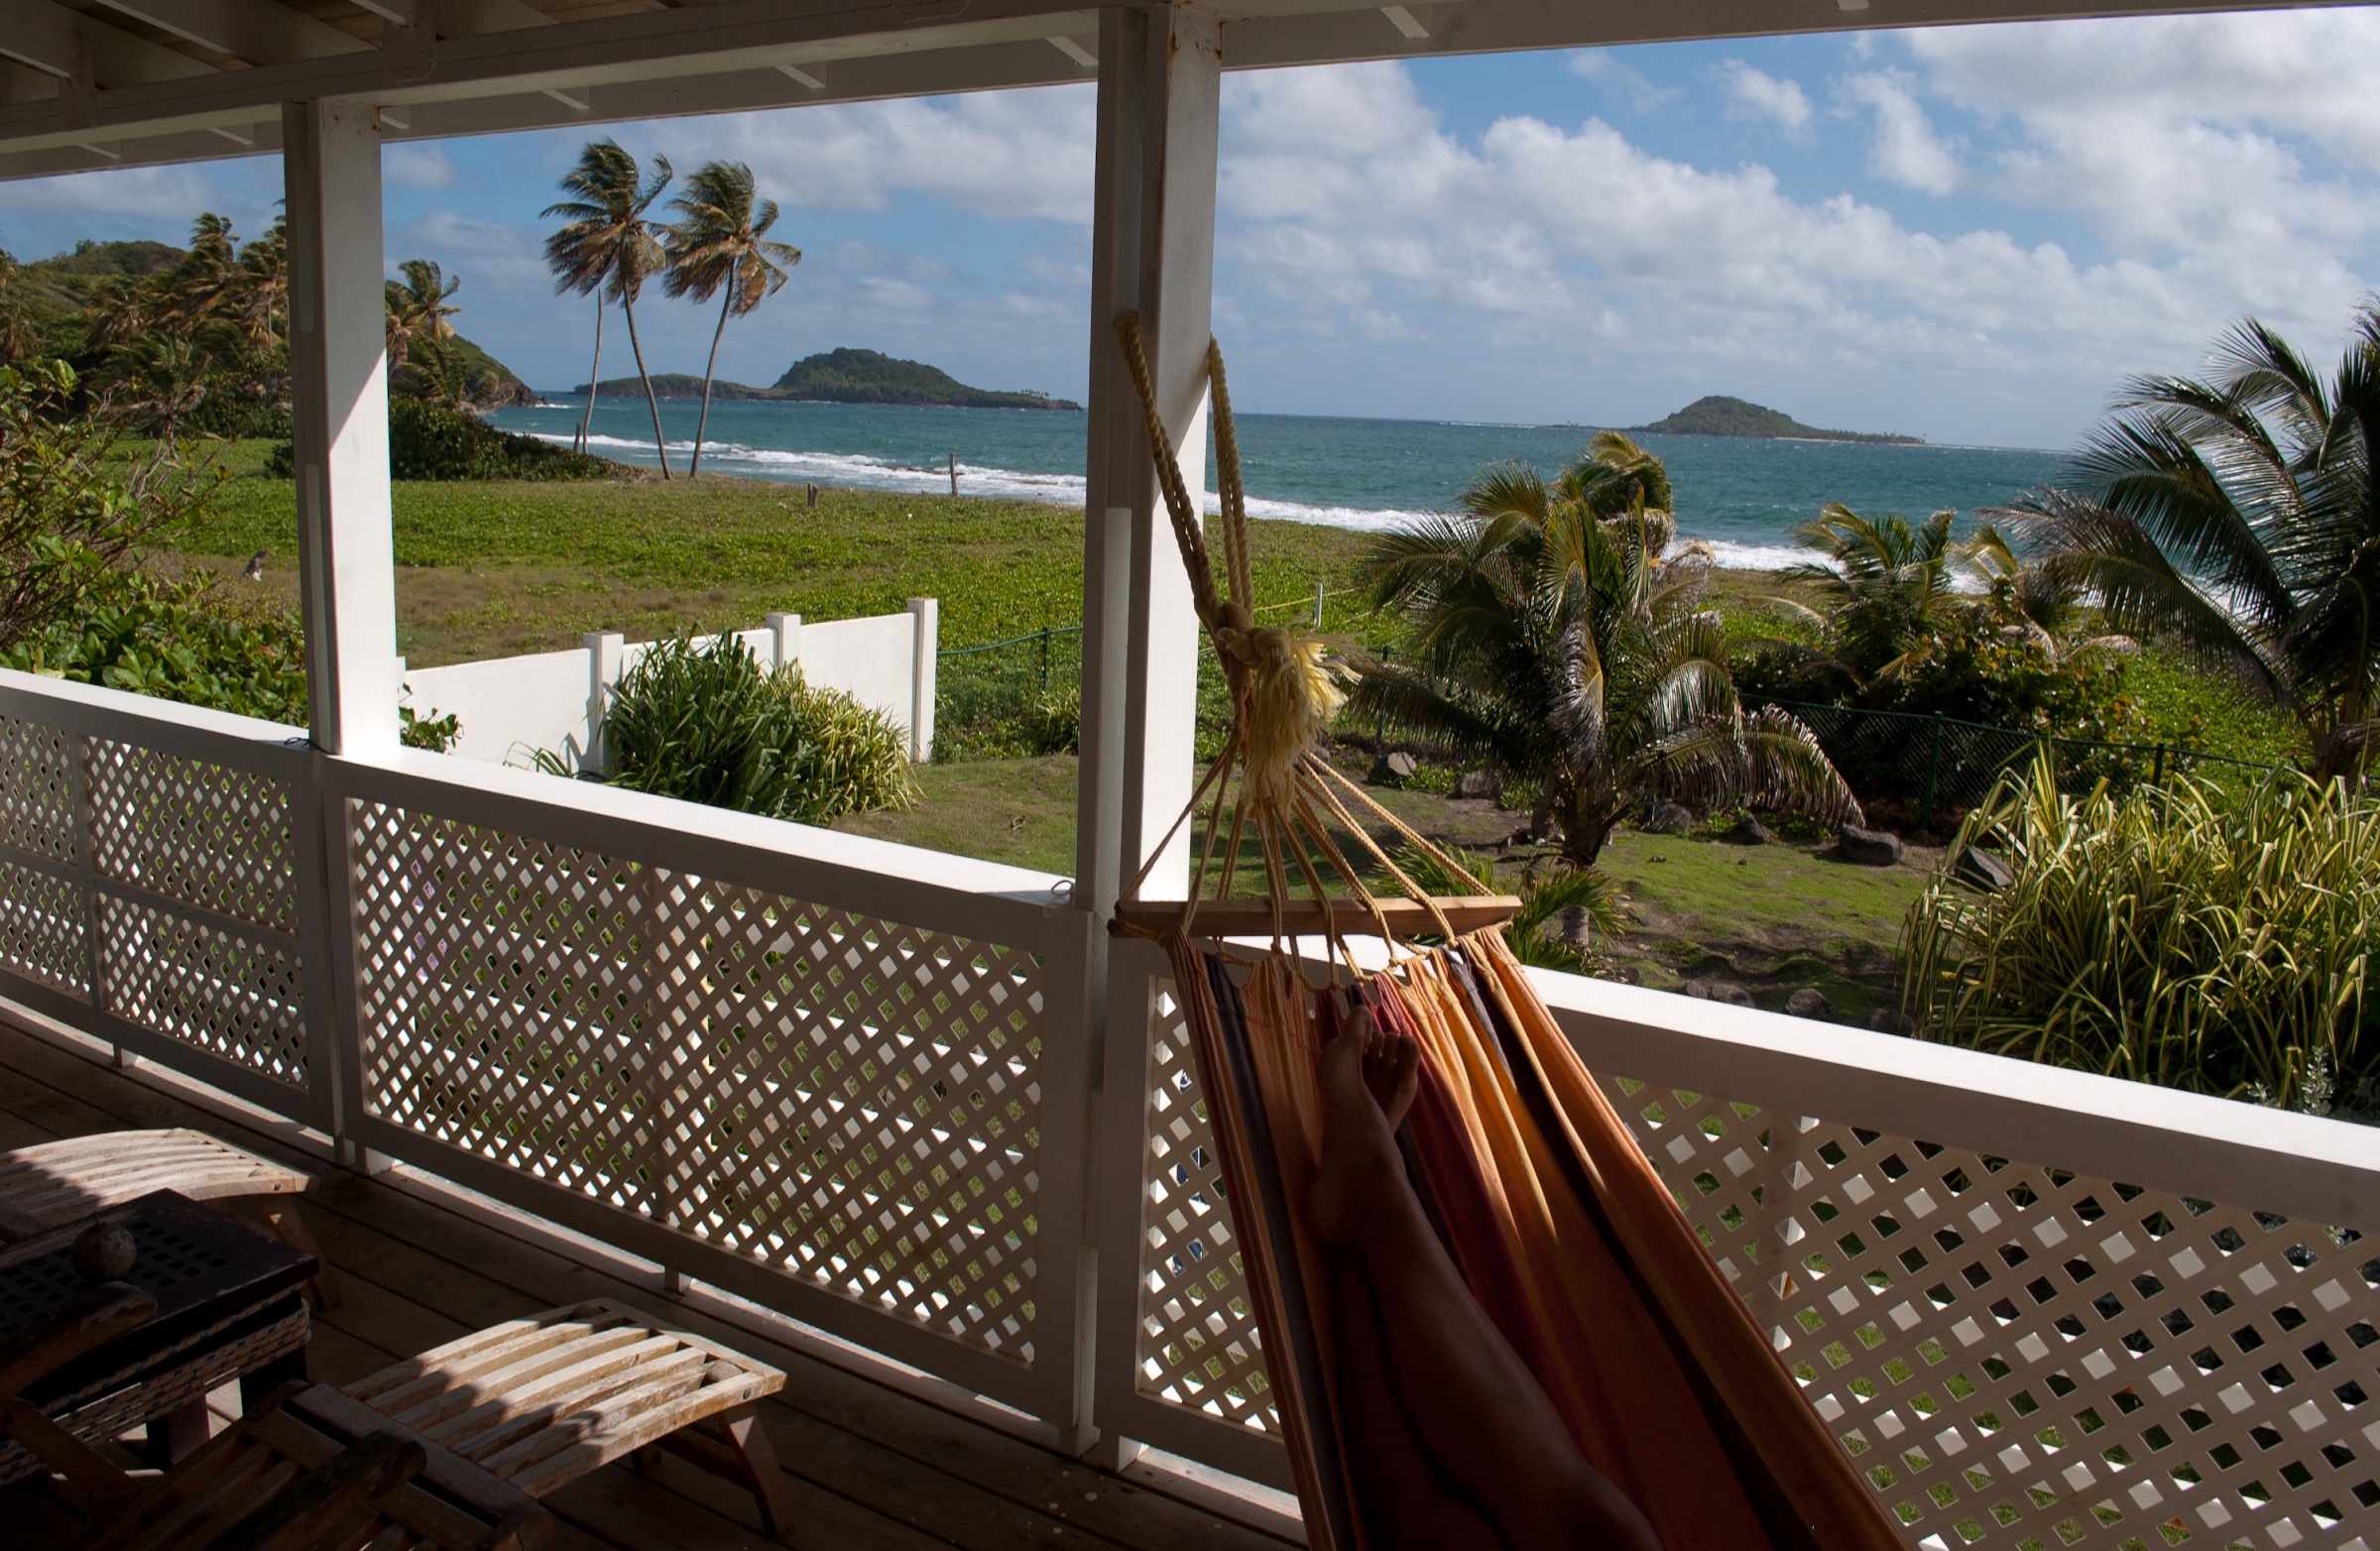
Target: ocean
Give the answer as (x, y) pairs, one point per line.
(1744, 496)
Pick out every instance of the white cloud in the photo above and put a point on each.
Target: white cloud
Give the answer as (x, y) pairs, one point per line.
(418, 164)
(1623, 81)
(1010, 155)
(1757, 95)
(1905, 148)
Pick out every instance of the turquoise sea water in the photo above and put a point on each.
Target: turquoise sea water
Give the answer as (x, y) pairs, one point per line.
(1744, 496)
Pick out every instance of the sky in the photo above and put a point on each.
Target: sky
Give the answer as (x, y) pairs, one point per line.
(1970, 234)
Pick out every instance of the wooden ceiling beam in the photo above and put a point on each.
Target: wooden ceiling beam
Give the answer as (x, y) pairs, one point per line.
(257, 31)
(70, 46)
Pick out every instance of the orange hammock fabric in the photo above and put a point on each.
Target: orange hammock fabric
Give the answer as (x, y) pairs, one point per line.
(1561, 1229)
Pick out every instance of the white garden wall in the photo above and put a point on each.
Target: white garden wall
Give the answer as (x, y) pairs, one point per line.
(512, 707)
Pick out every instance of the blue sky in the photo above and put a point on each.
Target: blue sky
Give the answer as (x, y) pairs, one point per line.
(1971, 234)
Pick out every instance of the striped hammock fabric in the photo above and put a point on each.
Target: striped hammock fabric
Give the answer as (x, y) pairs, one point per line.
(1560, 1230)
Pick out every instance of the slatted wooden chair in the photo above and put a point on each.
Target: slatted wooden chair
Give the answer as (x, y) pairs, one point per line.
(59, 1182)
(543, 1400)
(306, 1469)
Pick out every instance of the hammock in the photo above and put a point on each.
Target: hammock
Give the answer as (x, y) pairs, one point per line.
(1558, 1226)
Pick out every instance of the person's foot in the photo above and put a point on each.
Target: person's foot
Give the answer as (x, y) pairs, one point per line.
(1359, 1145)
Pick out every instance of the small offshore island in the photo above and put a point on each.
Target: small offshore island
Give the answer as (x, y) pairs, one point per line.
(843, 376)
(1718, 415)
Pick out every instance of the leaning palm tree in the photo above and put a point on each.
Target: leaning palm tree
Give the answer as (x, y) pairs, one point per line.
(606, 247)
(2236, 516)
(420, 307)
(1551, 644)
(720, 247)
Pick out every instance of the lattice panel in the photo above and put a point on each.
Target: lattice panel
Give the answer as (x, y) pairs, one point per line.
(239, 997)
(2023, 1357)
(214, 836)
(41, 929)
(848, 1100)
(36, 791)
(1199, 1346)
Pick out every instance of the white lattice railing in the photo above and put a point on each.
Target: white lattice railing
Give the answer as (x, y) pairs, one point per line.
(852, 1081)
(2106, 1350)
(814, 1069)
(153, 864)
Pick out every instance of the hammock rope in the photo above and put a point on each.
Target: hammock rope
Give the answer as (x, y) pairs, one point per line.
(1562, 1231)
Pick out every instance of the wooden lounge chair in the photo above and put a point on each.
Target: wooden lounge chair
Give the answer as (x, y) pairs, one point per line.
(541, 1401)
(306, 1469)
(61, 1182)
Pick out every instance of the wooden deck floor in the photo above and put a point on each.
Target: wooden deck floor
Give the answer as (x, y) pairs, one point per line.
(871, 1466)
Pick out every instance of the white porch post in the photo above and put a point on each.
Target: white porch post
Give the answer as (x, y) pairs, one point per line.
(1161, 85)
(338, 369)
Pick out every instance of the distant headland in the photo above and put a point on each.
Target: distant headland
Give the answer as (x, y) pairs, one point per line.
(1716, 416)
(841, 377)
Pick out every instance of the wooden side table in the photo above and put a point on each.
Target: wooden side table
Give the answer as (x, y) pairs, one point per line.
(228, 1306)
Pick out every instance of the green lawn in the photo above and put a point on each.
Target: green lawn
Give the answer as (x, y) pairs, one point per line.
(490, 569)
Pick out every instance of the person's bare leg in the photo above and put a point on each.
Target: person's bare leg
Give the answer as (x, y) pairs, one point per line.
(1404, 1499)
(1470, 1398)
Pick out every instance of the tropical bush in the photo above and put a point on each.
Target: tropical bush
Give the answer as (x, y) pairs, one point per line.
(2213, 937)
(2236, 517)
(706, 723)
(79, 514)
(436, 441)
(1552, 643)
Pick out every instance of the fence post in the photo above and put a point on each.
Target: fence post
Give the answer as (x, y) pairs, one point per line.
(1925, 818)
(1045, 660)
(1318, 605)
(2158, 779)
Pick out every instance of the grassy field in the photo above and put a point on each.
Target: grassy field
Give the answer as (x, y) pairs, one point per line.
(492, 570)
(1770, 918)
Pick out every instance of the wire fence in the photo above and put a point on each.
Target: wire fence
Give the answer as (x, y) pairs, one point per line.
(1939, 765)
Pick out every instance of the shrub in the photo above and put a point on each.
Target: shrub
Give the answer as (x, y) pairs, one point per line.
(429, 441)
(706, 723)
(2195, 935)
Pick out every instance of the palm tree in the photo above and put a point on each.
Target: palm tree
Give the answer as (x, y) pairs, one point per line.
(1552, 644)
(419, 306)
(607, 247)
(2236, 515)
(721, 245)
(1888, 587)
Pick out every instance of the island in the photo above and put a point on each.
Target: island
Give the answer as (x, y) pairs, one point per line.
(1718, 415)
(843, 376)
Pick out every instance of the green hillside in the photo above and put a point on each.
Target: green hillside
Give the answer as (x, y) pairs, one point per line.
(1718, 415)
(842, 376)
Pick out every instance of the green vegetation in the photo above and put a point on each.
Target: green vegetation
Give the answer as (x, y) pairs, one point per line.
(81, 517)
(1718, 415)
(492, 569)
(429, 441)
(708, 724)
(2237, 518)
(2203, 935)
(1551, 643)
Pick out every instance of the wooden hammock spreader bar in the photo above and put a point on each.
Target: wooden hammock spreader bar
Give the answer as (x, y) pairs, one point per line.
(1160, 919)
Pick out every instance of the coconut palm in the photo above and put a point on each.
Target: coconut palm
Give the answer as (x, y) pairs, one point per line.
(2236, 516)
(1551, 644)
(720, 247)
(607, 248)
(1618, 477)
(1888, 587)
(420, 307)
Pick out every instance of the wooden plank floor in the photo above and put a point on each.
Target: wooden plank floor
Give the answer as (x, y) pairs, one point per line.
(871, 1466)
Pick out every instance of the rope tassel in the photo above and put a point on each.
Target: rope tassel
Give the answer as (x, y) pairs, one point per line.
(1285, 688)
